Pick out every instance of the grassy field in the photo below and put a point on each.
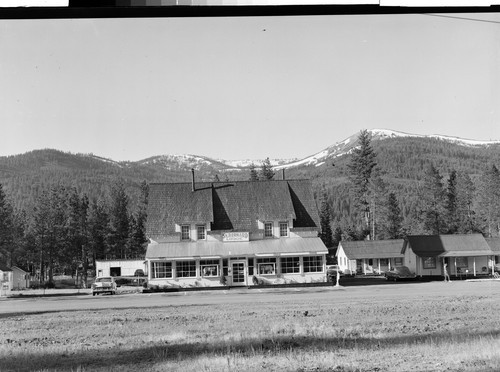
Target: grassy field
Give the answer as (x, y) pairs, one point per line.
(448, 332)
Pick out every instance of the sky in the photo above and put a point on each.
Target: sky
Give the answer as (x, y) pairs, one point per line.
(244, 87)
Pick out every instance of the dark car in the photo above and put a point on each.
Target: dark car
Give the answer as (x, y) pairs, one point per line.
(399, 273)
(331, 272)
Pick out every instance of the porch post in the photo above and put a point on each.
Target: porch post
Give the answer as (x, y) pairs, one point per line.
(364, 267)
(456, 274)
(474, 265)
(389, 264)
(379, 266)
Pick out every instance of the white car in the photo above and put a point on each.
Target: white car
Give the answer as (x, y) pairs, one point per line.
(104, 284)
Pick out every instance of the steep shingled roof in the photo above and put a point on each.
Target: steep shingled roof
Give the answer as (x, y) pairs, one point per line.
(355, 250)
(494, 244)
(230, 205)
(459, 245)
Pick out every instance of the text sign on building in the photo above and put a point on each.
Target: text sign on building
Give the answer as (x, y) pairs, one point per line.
(236, 237)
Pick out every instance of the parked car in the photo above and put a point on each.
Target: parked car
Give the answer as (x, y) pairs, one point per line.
(398, 273)
(331, 273)
(104, 284)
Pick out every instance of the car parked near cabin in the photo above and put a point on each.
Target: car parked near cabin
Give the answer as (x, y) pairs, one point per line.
(104, 284)
(399, 273)
(331, 273)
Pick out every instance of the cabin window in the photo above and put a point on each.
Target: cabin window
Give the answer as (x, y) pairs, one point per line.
(185, 232)
(161, 269)
(462, 262)
(266, 266)
(398, 261)
(290, 265)
(268, 229)
(185, 269)
(209, 268)
(429, 262)
(313, 264)
(201, 232)
(283, 228)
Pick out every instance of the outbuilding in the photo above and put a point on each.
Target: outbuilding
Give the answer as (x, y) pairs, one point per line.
(233, 233)
(6, 279)
(369, 256)
(119, 268)
(466, 255)
(20, 278)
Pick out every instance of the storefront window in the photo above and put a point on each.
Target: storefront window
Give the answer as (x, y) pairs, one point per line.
(290, 265)
(313, 264)
(209, 268)
(185, 269)
(266, 266)
(161, 270)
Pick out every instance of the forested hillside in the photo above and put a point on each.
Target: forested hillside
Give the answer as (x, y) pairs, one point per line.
(414, 185)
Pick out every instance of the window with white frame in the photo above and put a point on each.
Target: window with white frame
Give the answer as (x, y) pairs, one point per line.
(185, 269)
(313, 264)
(283, 228)
(161, 270)
(268, 229)
(201, 232)
(209, 268)
(266, 266)
(290, 265)
(185, 232)
(398, 261)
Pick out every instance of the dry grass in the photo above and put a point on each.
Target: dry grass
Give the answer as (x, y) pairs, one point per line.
(454, 333)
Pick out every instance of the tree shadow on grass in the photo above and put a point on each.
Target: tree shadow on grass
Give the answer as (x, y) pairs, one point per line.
(157, 352)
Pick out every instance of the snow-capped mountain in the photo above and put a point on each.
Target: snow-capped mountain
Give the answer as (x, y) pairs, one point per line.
(346, 146)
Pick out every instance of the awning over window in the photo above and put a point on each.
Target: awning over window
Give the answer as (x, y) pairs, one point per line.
(211, 249)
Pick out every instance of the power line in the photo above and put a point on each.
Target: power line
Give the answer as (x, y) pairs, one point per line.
(461, 18)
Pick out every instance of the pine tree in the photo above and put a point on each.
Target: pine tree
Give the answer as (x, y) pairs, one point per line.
(266, 172)
(137, 240)
(6, 228)
(378, 204)
(433, 199)
(360, 171)
(119, 221)
(489, 201)
(325, 223)
(254, 176)
(99, 230)
(465, 190)
(451, 204)
(394, 226)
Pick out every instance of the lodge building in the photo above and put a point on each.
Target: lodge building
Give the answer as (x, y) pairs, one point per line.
(239, 233)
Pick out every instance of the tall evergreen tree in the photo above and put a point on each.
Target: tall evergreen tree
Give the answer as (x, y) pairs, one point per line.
(325, 221)
(119, 221)
(452, 219)
(266, 172)
(137, 239)
(6, 228)
(394, 226)
(77, 229)
(465, 190)
(378, 204)
(254, 176)
(360, 172)
(433, 198)
(99, 230)
(489, 201)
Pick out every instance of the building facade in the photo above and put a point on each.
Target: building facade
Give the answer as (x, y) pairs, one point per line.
(233, 233)
(465, 255)
(369, 256)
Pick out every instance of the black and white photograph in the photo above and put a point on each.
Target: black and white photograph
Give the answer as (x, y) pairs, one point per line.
(301, 188)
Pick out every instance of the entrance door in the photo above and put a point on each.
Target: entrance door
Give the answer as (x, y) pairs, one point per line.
(238, 272)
